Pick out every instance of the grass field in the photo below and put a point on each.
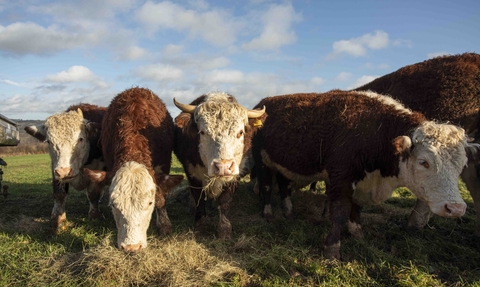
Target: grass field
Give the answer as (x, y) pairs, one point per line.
(282, 253)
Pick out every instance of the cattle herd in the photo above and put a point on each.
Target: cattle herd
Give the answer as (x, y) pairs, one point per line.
(418, 127)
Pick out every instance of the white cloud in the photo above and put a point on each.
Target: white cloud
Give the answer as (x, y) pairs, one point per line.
(215, 27)
(362, 81)
(317, 81)
(76, 74)
(73, 74)
(13, 83)
(171, 49)
(436, 54)
(358, 46)
(277, 29)
(31, 38)
(343, 76)
(133, 53)
(158, 72)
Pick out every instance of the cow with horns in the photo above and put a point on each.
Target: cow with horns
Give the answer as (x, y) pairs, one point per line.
(212, 141)
(364, 145)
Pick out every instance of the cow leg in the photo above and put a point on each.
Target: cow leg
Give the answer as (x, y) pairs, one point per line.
(340, 204)
(354, 224)
(264, 182)
(224, 201)
(164, 226)
(285, 195)
(198, 200)
(419, 217)
(93, 194)
(58, 219)
(470, 176)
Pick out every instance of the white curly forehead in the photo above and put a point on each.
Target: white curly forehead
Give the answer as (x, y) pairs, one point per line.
(441, 136)
(220, 112)
(64, 127)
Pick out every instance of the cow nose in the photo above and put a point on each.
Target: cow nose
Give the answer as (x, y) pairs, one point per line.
(455, 209)
(63, 172)
(131, 247)
(224, 167)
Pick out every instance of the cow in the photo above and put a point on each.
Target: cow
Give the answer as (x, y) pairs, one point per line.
(212, 142)
(73, 143)
(364, 145)
(137, 142)
(445, 88)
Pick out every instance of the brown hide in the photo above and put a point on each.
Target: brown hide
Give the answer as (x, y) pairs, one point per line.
(445, 88)
(137, 127)
(338, 132)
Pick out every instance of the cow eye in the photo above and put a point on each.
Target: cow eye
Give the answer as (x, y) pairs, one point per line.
(80, 140)
(202, 133)
(240, 134)
(424, 163)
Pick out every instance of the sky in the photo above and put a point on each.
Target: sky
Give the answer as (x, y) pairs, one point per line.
(54, 54)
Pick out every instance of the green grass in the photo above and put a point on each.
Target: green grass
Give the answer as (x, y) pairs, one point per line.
(282, 253)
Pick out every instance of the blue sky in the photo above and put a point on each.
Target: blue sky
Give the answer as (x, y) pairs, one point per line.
(57, 53)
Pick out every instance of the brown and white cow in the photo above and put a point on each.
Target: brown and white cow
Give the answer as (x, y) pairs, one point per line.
(137, 142)
(212, 141)
(445, 88)
(73, 143)
(364, 145)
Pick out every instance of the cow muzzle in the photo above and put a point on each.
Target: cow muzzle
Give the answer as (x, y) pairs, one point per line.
(454, 209)
(223, 168)
(131, 247)
(63, 173)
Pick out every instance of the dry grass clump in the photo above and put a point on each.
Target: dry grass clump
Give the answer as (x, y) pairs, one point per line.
(23, 224)
(173, 261)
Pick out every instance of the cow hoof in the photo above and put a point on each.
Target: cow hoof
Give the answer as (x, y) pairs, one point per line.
(355, 230)
(332, 251)
(267, 213)
(268, 217)
(164, 229)
(94, 214)
(224, 233)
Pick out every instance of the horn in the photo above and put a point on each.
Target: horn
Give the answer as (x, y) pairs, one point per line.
(252, 114)
(80, 113)
(184, 107)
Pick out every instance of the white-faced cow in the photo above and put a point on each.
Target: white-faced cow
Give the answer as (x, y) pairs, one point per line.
(212, 141)
(445, 88)
(364, 145)
(137, 141)
(73, 143)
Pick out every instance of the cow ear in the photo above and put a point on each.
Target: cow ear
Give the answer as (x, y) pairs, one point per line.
(167, 182)
(93, 129)
(39, 132)
(473, 152)
(256, 123)
(402, 145)
(185, 122)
